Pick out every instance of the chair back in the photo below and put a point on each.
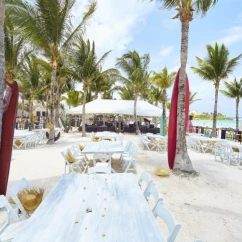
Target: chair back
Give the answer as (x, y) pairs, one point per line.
(10, 212)
(144, 177)
(16, 188)
(67, 163)
(103, 158)
(127, 147)
(121, 138)
(165, 214)
(152, 190)
(99, 169)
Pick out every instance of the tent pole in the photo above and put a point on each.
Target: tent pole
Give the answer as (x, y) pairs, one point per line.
(162, 126)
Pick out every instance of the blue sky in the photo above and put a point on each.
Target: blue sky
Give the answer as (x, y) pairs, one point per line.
(126, 25)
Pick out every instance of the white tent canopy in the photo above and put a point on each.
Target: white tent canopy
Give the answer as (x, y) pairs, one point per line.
(106, 106)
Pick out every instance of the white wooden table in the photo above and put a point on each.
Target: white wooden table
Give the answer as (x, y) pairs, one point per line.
(104, 147)
(110, 147)
(120, 212)
(23, 134)
(107, 135)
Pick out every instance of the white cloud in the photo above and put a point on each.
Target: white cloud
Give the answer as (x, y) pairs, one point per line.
(231, 36)
(166, 51)
(114, 23)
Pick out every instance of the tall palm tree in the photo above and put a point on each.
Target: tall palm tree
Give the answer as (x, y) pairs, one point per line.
(47, 24)
(86, 69)
(2, 62)
(192, 97)
(15, 50)
(216, 67)
(234, 90)
(155, 98)
(73, 98)
(31, 78)
(136, 68)
(105, 83)
(163, 80)
(126, 92)
(185, 10)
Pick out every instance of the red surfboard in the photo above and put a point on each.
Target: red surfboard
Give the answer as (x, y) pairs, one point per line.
(172, 129)
(10, 103)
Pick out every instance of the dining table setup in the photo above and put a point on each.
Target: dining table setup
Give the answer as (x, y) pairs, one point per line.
(93, 208)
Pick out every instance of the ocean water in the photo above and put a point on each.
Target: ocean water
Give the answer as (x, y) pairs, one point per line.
(220, 123)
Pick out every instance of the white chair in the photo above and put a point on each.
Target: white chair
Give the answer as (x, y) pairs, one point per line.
(121, 138)
(20, 143)
(8, 231)
(165, 214)
(129, 162)
(101, 168)
(16, 188)
(73, 166)
(198, 240)
(76, 152)
(152, 190)
(103, 158)
(161, 144)
(144, 177)
(146, 143)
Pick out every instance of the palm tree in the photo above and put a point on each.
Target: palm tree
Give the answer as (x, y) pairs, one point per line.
(216, 67)
(136, 67)
(163, 80)
(2, 62)
(73, 98)
(86, 68)
(185, 10)
(126, 92)
(155, 98)
(234, 90)
(192, 97)
(15, 50)
(48, 26)
(105, 83)
(31, 78)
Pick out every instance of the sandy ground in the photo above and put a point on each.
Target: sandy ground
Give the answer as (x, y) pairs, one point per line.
(208, 207)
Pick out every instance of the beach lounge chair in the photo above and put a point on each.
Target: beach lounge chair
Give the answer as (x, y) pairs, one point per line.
(165, 214)
(16, 188)
(8, 231)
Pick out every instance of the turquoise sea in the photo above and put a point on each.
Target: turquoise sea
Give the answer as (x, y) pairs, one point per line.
(220, 123)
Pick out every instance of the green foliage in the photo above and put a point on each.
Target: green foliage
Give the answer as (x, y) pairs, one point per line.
(234, 89)
(216, 66)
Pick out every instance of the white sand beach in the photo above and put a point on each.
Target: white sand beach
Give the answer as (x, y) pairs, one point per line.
(208, 207)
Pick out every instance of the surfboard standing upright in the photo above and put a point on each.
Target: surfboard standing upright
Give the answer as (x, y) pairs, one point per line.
(172, 130)
(10, 103)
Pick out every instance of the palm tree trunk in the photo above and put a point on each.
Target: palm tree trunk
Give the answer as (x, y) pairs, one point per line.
(30, 108)
(214, 133)
(237, 113)
(57, 112)
(47, 110)
(2, 62)
(52, 103)
(164, 110)
(137, 131)
(84, 110)
(22, 109)
(182, 159)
